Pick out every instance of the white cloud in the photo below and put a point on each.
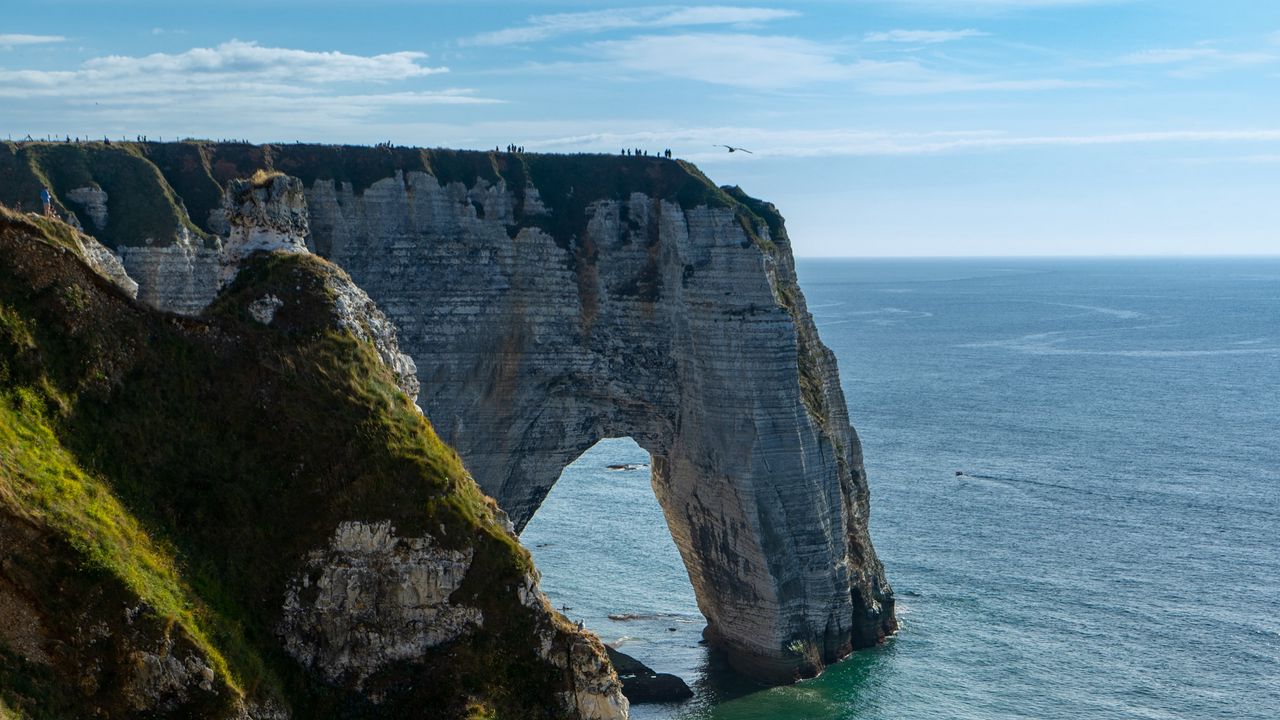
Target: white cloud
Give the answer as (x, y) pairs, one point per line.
(927, 37)
(241, 83)
(1193, 62)
(763, 62)
(935, 84)
(1171, 56)
(10, 40)
(232, 66)
(247, 60)
(739, 60)
(542, 27)
(697, 143)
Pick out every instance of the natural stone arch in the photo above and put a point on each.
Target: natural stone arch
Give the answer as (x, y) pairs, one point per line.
(682, 327)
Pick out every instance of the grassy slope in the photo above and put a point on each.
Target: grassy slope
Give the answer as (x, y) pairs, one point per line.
(143, 208)
(197, 460)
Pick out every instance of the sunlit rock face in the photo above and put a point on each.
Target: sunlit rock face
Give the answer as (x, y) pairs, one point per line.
(681, 327)
(551, 301)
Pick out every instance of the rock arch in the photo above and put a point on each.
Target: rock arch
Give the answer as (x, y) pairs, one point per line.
(680, 326)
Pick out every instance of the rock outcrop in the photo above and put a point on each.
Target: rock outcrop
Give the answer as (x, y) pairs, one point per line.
(267, 213)
(641, 684)
(94, 202)
(549, 302)
(370, 599)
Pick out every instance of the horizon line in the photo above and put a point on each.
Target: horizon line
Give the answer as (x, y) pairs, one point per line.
(1187, 256)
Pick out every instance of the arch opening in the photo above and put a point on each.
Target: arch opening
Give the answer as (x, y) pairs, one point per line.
(608, 559)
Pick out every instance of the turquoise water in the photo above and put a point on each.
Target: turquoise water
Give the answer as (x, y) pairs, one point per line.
(1113, 550)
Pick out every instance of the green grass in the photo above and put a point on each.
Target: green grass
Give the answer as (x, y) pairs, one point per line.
(42, 482)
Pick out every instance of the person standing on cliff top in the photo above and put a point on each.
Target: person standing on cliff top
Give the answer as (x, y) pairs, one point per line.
(46, 197)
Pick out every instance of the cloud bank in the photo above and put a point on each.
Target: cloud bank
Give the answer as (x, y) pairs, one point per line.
(543, 27)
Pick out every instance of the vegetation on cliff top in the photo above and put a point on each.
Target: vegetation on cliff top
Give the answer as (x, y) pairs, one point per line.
(157, 188)
(197, 460)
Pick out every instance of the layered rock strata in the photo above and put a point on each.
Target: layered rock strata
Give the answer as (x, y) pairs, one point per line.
(682, 328)
(549, 302)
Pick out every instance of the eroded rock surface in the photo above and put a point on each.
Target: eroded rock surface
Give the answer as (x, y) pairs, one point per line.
(371, 599)
(94, 202)
(107, 264)
(269, 215)
(182, 277)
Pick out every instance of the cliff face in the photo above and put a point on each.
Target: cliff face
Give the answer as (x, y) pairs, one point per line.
(243, 515)
(548, 302)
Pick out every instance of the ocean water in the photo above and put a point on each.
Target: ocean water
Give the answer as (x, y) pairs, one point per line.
(1111, 551)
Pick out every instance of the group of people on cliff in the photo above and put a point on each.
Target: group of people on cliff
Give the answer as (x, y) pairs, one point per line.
(637, 152)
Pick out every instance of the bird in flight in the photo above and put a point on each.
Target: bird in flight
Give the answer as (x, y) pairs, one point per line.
(736, 149)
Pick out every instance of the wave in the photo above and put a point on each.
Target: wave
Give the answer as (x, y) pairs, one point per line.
(894, 312)
(1113, 312)
(1136, 497)
(1046, 343)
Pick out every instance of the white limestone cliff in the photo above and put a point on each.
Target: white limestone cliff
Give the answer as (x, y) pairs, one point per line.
(680, 327)
(542, 315)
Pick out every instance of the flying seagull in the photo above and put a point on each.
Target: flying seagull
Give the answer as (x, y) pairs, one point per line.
(736, 149)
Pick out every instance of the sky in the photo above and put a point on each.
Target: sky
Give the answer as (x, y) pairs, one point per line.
(878, 127)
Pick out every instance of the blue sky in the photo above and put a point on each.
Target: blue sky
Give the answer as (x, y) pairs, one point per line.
(904, 127)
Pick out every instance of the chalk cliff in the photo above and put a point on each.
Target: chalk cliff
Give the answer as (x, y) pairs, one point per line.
(551, 301)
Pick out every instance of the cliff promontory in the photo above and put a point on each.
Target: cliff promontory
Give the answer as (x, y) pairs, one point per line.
(547, 302)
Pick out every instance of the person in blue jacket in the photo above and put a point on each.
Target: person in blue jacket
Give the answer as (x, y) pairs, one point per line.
(46, 197)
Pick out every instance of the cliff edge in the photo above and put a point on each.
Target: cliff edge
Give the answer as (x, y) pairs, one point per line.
(551, 301)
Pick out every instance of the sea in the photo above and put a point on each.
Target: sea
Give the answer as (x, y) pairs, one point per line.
(1075, 483)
